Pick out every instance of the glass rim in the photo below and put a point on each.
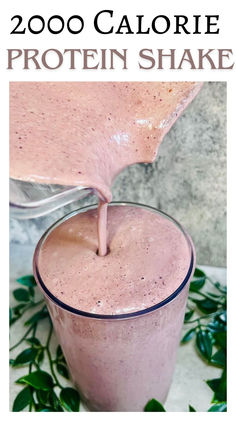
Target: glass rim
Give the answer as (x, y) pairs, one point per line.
(138, 313)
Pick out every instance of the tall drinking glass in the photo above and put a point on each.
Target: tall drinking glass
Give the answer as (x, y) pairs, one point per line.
(119, 362)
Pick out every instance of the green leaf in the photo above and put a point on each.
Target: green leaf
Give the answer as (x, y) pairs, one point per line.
(188, 315)
(206, 306)
(216, 296)
(27, 280)
(49, 401)
(62, 359)
(198, 273)
(40, 357)
(59, 352)
(191, 408)
(204, 344)
(38, 407)
(22, 400)
(218, 407)
(31, 291)
(221, 393)
(37, 317)
(62, 370)
(218, 385)
(216, 326)
(220, 287)
(44, 408)
(219, 358)
(53, 399)
(21, 295)
(221, 339)
(59, 355)
(154, 406)
(42, 396)
(13, 320)
(33, 341)
(199, 279)
(214, 384)
(70, 399)
(37, 379)
(25, 357)
(55, 402)
(189, 335)
(17, 309)
(15, 312)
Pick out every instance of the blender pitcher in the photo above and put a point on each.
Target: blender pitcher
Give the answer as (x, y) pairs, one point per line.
(31, 200)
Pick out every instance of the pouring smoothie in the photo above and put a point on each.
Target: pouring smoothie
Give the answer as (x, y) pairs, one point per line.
(85, 133)
(115, 279)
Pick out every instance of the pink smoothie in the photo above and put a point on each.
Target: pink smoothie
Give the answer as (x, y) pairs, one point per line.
(148, 260)
(85, 134)
(119, 341)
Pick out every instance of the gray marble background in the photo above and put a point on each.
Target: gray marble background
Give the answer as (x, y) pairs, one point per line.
(187, 180)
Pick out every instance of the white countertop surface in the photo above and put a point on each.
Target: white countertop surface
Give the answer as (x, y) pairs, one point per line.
(188, 385)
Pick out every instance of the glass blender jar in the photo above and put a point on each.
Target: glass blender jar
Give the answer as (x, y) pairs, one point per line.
(31, 200)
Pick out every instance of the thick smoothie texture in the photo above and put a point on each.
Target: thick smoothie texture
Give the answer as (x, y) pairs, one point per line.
(117, 362)
(84, 134)
(149, 258)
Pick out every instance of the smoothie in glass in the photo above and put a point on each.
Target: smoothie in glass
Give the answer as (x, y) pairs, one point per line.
(118, 318)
